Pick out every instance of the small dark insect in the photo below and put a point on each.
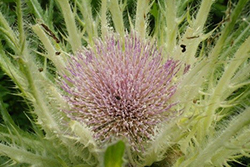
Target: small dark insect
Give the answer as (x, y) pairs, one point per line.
(40, 69)
(58, 53)
(197, 36)
(50, 33)
(118, 97)
(183, 48)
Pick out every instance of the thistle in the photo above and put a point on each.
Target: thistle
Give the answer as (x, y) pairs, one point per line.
(104, 83)
(120, 89)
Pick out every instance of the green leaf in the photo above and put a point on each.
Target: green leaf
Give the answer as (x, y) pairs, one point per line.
(154, 10)
(113, 155)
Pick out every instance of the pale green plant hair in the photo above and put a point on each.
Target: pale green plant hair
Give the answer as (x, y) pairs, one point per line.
(213, 127)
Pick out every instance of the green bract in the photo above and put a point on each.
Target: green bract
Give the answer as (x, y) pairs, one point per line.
(209, 123)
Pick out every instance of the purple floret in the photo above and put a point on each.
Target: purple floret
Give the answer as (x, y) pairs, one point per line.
(120, 90)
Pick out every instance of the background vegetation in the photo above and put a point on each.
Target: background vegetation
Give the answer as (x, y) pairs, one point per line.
(18, 107)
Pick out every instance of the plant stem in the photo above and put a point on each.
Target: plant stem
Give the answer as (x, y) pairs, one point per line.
(196, 31)
(240, 56)
(23, 156)
(228, 29)
(117, 17)
(20, 26)
(104, 24)
(235, 126)
(85, 8)
(172, 26)
(57, 60)
(141, 14)
(74, 38)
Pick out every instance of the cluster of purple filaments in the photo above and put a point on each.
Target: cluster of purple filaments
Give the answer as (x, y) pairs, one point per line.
(120, 89)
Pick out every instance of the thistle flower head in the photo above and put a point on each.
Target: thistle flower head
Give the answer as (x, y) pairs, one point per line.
(120, 89)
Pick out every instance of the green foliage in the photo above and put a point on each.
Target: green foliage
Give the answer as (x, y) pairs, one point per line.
(113, 156)
(213, 128)
(13, 103)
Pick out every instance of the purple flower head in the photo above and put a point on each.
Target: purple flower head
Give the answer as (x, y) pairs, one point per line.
(120, 89)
